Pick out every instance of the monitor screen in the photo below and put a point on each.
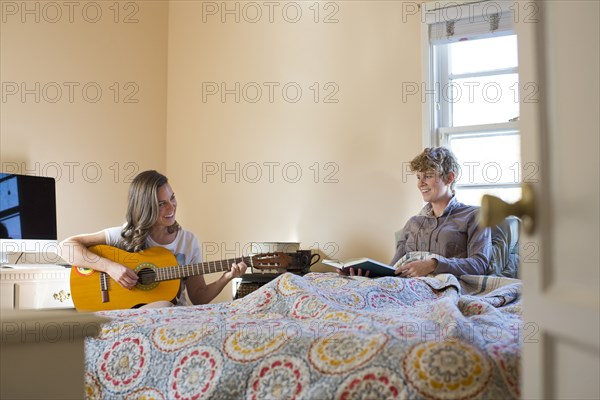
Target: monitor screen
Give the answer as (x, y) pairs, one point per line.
(27, 208)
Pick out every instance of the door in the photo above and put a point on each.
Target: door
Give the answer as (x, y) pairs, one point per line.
(559, 75)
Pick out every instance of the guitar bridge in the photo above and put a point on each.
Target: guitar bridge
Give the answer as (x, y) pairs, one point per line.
(104, 287)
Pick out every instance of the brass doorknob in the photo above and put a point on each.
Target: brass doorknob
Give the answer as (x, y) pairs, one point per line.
(494, 210)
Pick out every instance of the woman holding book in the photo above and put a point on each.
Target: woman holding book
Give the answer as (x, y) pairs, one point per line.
(445, 229)
(150, 222)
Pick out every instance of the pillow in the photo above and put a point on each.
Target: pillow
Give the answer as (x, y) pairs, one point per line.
(505, 248)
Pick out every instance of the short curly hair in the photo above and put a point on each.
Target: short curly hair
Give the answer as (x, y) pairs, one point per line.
(439, 159)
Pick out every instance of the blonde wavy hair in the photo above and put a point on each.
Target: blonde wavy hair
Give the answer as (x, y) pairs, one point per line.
(439, 159)
(142, 210)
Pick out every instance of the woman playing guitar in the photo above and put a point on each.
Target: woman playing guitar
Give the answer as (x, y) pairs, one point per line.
(150, 222)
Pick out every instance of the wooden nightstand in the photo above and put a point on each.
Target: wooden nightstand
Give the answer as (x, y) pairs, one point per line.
(248, 283)
(35, 287)
(300, 262)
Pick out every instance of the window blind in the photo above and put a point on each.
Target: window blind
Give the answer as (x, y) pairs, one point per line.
(469, 21)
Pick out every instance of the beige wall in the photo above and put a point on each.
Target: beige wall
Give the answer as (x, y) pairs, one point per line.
(91, 144)
(351, 195)
(361, 140)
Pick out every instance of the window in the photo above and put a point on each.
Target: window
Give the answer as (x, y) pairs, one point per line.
(474, 109)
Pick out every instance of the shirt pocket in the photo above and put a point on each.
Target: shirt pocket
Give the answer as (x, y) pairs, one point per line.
(452, 240)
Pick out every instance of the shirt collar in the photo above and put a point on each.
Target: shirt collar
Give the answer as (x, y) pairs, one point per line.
(427, 210)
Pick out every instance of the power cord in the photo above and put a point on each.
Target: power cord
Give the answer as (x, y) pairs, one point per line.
(20, 255)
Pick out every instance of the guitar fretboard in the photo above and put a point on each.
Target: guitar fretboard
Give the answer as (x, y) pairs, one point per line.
(209, 267)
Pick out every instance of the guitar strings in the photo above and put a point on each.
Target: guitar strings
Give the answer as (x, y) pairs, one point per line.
(150, 271)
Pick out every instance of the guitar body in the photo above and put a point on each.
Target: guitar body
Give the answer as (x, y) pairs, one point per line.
(86, 283)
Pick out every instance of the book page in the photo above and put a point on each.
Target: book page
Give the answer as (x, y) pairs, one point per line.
(333, 263)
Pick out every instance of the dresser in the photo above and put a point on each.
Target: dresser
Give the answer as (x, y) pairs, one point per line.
(42, 353)
(31, 287)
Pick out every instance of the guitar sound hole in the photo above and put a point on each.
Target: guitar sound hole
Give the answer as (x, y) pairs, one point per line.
(146, 276)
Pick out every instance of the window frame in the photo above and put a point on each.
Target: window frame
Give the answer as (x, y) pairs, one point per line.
(437, 112)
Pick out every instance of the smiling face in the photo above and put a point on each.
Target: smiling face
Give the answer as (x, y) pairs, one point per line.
(433, 188)
(167, 205)
(430, 161)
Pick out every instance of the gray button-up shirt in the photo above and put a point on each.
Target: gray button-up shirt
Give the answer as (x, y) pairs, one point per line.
(464, 248)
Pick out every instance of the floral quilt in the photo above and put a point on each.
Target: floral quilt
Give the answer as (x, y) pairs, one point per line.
(320, 336)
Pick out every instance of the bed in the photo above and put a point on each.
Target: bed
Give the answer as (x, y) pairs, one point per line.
(319, 336)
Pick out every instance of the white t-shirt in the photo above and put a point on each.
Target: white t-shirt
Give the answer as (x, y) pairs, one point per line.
(185, 247)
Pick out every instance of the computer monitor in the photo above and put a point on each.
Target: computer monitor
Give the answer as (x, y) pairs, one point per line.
(27, 216)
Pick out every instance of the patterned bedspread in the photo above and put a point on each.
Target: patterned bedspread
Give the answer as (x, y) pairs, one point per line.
(321, 336)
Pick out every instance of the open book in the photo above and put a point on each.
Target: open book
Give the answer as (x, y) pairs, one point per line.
(365, 264)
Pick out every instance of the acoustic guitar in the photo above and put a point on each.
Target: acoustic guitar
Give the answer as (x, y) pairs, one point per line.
(158, 277)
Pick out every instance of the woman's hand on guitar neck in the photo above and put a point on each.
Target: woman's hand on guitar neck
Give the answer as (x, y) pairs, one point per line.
(122, 275)
(236, 270)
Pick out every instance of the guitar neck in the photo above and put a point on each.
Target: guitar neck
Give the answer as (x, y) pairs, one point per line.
(209, 267)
